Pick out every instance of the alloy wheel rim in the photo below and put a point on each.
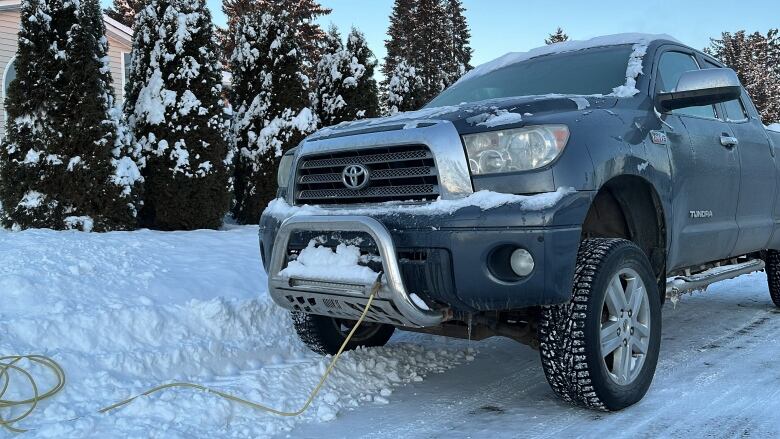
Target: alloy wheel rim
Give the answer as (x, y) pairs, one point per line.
(625, 327)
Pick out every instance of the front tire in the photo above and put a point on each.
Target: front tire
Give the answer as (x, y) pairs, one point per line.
(325, 335)
(601, 349)
(773, 275)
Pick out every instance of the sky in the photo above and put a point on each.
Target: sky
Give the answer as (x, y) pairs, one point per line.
(501, 26)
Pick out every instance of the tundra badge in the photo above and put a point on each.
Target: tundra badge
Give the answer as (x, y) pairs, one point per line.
(658, 137)
(701, 214)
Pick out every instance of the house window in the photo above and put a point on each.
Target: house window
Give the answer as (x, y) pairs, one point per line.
(126, 58)
(8, 77)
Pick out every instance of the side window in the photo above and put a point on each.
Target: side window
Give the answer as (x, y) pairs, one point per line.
(670, 69)
(735, 110)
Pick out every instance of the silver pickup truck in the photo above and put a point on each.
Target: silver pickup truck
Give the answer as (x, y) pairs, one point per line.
(557, 197)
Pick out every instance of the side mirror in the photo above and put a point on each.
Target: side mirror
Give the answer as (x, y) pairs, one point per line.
(701, 87)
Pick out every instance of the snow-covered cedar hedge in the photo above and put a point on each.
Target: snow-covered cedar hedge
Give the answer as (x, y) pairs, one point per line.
(272, 105)
(176, 115)
(64, 163)
(346, 89)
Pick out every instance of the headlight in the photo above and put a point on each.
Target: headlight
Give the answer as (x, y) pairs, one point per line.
(520, 149)
(285, 167)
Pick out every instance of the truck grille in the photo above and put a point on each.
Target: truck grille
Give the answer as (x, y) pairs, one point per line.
(406, 173)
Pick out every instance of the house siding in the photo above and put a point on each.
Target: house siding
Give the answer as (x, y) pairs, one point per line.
(116, 50)
(9, 29)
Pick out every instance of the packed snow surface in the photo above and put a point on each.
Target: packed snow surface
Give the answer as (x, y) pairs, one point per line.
(717, 378)
(485, 200)
(125, 311)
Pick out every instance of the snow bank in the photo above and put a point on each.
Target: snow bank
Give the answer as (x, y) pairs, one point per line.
(484, 200)
(125, 311)
(774, 127)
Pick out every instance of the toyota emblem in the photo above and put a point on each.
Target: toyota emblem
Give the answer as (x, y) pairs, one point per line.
(355, 177)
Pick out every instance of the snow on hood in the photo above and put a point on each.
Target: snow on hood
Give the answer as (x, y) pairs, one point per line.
(566, 46)
(484, 200)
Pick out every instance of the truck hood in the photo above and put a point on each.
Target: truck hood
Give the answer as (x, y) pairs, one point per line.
(472, 117)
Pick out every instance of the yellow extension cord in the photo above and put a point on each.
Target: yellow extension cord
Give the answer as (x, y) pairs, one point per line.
(10, 363)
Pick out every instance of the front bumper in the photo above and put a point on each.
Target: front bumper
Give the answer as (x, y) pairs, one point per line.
(455, 273)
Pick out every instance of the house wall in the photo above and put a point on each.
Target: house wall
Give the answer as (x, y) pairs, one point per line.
(116, 50)
(9, 29)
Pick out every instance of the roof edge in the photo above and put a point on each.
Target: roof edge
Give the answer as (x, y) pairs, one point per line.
(116, 28)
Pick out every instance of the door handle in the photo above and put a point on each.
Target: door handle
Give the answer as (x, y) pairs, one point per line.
(729, 141)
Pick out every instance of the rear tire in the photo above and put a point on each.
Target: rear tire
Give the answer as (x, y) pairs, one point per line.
(325, 335)
(601, 349)
(773, 275)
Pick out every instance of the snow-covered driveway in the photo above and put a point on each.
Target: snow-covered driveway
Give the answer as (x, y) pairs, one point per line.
(125, 311)
(719, 376)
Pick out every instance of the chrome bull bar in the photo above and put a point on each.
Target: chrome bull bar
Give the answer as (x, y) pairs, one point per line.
(346, 300)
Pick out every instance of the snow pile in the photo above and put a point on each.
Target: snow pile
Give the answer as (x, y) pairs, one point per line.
(322, 263)
(484, 200)
(640, 42)
(126, 311)
(774, 127)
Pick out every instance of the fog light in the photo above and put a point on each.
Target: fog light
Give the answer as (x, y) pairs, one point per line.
(522, 262)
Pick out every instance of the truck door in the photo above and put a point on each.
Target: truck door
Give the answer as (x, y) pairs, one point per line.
(705, 173)
(758, 183)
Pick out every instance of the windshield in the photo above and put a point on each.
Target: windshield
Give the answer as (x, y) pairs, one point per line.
(585, 72)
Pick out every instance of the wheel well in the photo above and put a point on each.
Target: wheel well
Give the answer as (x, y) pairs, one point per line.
(628, 207)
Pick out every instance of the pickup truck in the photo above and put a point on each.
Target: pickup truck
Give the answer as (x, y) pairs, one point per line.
(557, 197)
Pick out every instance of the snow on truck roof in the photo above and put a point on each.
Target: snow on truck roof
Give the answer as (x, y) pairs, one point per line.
(638, 39)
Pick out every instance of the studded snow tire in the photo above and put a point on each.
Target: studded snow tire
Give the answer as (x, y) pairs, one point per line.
(570, 335)
(773, 275)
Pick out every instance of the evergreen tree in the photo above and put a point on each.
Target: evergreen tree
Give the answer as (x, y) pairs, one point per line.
(272, 105)
(62, 164)
(458, 37)
(364, 97)
(302, 14)
(124, 11)
(427, 51)
(176, 115)
(430, 46)
(756, 59)
(346, 89)
(399, 42)
(404, 90)
(558, 37)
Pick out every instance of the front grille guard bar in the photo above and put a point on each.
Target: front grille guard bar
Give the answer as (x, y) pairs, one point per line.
(393, 289)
